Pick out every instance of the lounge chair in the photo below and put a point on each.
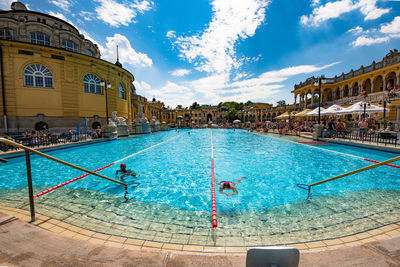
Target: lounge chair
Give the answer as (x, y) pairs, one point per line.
(272, 257)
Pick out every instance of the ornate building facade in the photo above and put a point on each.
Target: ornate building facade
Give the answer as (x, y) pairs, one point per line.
(51, 75)
(370, 84)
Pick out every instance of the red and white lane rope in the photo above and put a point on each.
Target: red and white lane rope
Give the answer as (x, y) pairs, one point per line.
(213, 201)
(102, 168)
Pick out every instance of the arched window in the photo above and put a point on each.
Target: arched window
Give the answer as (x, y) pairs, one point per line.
(40, 38)
(69, 45)
(36, 75)
(7, 34)
(89, 53)
(121, 91)
(92, 84)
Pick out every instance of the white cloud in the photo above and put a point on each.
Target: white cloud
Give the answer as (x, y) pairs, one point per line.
(88, 16)
(60, 16)
(367, 41)
(174, 94)
(180, 72)
(370, 10)
(142, 87)
(6, 4)
(116, 14)
(315, 2)
(171, 34)
(392, 27)
(127, 54)
(217, 88)
(63, 4)
(213, 50)
(386, 32)
(335, 9)
(356, 30)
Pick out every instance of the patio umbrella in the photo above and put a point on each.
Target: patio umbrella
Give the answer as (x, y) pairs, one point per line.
(332, 110)
(283, 116)
(302, 113)
(314, 112)
(236, 121)
(359, 108)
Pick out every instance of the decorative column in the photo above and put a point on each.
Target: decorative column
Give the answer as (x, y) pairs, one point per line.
(398, 79)
(372, 87)
(295, 98)
(312, 98)
(384, 84)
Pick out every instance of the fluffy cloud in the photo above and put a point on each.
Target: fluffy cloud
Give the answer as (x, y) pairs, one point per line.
(386, 32)
(367, 41)
(217, 88)
(174, 94)
(356, 30)
(171, 34)
(126, 53)
(335, 9)
(88, 16)
(180, 72)
(213, 50)
(142, 87)
(5, 4)
(392, 27)
(63, 4)
(116, 14)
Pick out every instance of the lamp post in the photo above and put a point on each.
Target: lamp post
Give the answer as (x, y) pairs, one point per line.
(384, 101)
(320, 80)
(106, 85)
(365, 107)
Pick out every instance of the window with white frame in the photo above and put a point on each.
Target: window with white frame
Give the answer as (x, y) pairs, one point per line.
(121, 91)
(69, 45)
(8, 34)
(89, 53)
(92, 84)
(39, 38)
(36, 75)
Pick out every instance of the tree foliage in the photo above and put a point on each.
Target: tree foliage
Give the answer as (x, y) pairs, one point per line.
(281, 103)
(195, 105)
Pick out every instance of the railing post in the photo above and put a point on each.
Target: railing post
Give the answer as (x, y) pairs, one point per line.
(30, 187)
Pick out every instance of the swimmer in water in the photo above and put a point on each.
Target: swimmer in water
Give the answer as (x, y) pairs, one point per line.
(225, 185)
(124, 172)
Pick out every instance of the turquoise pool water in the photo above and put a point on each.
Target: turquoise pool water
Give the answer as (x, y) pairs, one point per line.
(177, 172)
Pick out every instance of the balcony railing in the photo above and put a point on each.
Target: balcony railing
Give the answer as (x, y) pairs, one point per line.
(43, 140)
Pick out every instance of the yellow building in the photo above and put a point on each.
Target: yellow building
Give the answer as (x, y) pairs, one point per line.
(51, 74)
(370, 84)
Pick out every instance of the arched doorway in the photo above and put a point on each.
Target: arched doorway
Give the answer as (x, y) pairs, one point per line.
(367, 86)
(209, 117)
(390, 80)
(355, 89)
(96, 125)
(337, 95)
(346, 91)
(378, 84)
(41, 125)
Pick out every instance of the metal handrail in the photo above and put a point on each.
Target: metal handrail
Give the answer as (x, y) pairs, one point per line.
(308, 187)
(29, 174)
(9, 142)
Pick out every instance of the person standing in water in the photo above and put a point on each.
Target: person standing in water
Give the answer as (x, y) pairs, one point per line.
(124, 172)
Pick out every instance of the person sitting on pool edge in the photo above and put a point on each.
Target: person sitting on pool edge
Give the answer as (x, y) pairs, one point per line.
(229, 185)
(124, 172)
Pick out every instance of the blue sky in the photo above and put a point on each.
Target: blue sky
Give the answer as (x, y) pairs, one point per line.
(183, 51)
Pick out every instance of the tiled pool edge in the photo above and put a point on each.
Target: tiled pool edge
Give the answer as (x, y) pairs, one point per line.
(68, 230)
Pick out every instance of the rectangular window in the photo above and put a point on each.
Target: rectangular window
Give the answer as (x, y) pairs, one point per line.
(39, 81)
(28, 80)
(48, 82)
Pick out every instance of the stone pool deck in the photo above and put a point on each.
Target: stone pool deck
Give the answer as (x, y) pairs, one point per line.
(49, 242)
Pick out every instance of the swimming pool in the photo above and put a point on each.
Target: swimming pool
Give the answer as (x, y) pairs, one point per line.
(175, 179)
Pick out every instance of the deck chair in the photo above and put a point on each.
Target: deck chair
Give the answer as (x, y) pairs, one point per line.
(272, 257)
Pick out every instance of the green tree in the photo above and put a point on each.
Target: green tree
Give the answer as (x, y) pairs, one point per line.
(281, 103)
(179, 107)
(195, 105)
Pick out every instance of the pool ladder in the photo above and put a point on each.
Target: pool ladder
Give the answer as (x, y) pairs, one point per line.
(29, 172)
(308, 186)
